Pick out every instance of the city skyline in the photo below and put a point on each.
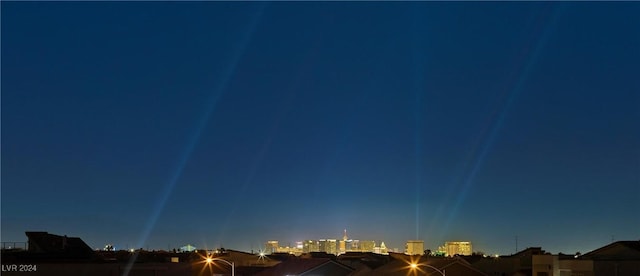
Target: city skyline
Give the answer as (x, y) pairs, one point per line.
(271, 246)
(230, 124)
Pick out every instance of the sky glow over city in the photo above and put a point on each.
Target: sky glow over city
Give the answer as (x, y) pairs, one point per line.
(219, 124)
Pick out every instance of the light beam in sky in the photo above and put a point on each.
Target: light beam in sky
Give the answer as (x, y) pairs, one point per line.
(216, 93)
(487, 138)
(418, 87)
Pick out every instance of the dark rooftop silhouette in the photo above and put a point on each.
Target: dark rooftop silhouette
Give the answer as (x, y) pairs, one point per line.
(42, 245)
(307, 266)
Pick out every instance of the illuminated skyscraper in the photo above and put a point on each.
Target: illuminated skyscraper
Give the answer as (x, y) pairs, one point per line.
(310, 246)
(271, 247)
(458, 248)
(328, 246)
(366, 246)
(343, 242)
(354, 245)
(382, 249)
(414, 247)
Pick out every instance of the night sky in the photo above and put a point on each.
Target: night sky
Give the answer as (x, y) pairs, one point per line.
(225, 124)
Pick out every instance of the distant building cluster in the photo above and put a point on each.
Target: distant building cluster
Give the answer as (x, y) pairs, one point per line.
(344, 245)
(329, 246)
(453, 248)
(449, 249)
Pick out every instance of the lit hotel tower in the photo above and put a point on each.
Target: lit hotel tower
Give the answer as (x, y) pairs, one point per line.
(343, 243)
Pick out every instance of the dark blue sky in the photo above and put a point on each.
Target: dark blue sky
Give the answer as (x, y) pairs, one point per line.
(211, 123)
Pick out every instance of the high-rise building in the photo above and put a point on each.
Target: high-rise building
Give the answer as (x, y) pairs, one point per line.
(294, 250)
(329, 246)
(458, 248)
(343, 243)
(366, 246)
(382, 249)
(354, 245)
(414, 247)
(271, 247)
(310, 246)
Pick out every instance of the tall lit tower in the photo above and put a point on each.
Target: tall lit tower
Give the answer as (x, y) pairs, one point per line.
(414, 247)
(343, 243)
(271, 247)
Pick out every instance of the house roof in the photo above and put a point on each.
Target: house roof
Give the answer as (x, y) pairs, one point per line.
(44, 242)
(528, 252)
(319, 255)
(616, 250)
(298, 266)
(294, 266)
(401, 266)
(369, 259)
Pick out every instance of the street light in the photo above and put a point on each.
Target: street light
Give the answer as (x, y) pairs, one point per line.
(210, 261)
(415, 266)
